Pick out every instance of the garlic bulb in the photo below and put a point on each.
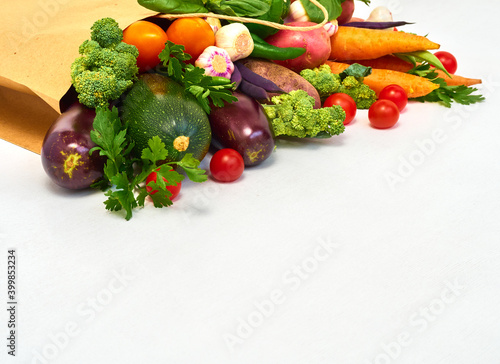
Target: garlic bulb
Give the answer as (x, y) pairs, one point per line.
(297, 12)
(380, 14)
(216, 62)
(214, 23)
(235, 38)
(331, 27)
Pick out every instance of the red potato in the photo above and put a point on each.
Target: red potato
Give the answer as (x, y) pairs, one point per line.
(316, 43)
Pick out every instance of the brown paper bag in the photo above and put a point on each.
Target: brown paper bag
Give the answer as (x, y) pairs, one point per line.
(39, 40)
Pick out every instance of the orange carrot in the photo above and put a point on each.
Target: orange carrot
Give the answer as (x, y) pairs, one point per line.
(457, 80)
(350, 43)
(414, 86)
(390, 62)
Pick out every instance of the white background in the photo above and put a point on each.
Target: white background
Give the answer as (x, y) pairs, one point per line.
(312, 257)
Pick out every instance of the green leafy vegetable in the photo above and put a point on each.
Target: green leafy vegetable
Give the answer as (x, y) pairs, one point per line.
(126, 175)
(277, 12)
(205, 88)
(333, 7)
(251, 8)
(444, 94)
(175, 6)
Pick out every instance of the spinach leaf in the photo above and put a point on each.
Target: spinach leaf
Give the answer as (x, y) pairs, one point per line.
(250, 8)
(333, 7)
(174, 6)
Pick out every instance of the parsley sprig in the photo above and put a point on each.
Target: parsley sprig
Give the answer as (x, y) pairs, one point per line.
(124, 175)
(445, 94)
(205, 88)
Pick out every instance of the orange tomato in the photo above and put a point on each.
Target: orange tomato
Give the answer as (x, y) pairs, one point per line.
(149, 39)
(195, 34)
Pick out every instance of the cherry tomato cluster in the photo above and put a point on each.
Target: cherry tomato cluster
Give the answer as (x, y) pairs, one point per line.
(392, 100)
(384, 113)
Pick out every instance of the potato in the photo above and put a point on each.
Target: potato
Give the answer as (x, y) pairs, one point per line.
(283, 77)
(316, 43)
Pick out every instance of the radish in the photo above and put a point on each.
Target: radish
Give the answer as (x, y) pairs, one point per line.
(316, 43)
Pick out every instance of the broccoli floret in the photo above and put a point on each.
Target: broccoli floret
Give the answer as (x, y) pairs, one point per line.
(360, 92)
(107, 66)
(106, 32)
(328, 83)
(323, 80)
(293, 114)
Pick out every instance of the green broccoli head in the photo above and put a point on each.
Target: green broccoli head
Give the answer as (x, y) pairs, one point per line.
(323, 80)
(107, 66)
(350, 81)
(96, 88)
(363, 95)
(106, 32)
(293, 114)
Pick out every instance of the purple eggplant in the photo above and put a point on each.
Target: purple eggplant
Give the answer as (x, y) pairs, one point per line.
(65, 150)
(243, 126)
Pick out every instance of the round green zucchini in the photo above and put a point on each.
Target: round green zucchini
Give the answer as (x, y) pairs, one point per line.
(157, 105)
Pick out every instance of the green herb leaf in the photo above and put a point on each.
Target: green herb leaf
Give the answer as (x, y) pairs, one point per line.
(156, 151)
(190, 165)
(107, 133)
(445, 94)
(127, 174)
(159, 194)
(123, 196)
(194, 79)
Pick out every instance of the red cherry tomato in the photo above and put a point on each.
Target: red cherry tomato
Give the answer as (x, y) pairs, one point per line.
(226, 165)
(396, 94)
(383, 114)
(149, 39)
(346, 102)
(174, 190)
(448, 60)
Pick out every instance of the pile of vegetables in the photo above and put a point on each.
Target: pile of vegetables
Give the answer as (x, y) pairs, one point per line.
(151, 99)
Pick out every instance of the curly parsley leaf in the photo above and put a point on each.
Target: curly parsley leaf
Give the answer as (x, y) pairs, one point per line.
(127, 175)
(190, 165)
(445, 94)
(194, 79)
(156, 150)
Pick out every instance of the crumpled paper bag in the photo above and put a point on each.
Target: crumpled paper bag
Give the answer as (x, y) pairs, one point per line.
(39, 40)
